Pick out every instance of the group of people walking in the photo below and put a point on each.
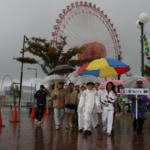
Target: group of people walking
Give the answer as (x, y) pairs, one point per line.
(87, 106)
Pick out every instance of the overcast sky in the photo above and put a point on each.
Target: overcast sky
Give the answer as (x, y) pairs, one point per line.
(36, 18)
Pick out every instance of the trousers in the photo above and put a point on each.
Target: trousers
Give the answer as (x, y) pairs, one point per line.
(138, 124)
(40, 111)
(59, 116)
(107, 119)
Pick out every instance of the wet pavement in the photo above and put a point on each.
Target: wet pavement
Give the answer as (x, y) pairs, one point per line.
(26, 135)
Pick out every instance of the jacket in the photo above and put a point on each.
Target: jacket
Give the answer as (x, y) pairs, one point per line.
(40, 96)
(58, 98)
(110, 101)
(142, 106)
(89, 101)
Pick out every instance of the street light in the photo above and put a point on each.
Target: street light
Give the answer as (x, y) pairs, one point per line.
(35, 73)
(25, 39)
(33, 69)
(35, 77)
(143, 18)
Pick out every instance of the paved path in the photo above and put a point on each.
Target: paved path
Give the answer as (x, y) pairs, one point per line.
(26, 135)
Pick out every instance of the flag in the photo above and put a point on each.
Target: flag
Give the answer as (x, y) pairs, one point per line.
(146, 46)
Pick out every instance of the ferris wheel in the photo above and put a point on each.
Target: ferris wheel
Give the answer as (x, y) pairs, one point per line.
(83, 22)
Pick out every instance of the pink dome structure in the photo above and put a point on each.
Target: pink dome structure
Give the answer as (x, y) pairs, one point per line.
(94, 49)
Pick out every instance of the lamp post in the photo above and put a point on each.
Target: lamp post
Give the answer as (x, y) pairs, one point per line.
(25, 39)
(143, 18)
(35, 82)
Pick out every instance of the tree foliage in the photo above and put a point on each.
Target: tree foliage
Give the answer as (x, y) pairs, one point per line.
(48, 56)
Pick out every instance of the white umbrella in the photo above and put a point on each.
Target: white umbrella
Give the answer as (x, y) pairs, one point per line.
(62, 69)
(51, 79)
(84, 79)
(131, 82)
(36, 80)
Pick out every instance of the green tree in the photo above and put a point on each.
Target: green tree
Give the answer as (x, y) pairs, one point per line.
(48, 56)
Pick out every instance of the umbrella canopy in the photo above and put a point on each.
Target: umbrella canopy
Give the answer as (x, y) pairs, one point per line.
(131, 82)
(115, 82)
(36, 80)
(53, 78)
(84, 79)
(62, 69)
(81, 69)
(148, 78)
(105, 67)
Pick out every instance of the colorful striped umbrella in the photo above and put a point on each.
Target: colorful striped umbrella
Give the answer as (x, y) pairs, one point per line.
(105, 67)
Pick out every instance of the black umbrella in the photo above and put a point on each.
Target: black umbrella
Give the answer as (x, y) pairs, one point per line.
(62, 69)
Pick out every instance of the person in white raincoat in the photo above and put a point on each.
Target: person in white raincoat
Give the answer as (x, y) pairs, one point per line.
(89, 103)
(108, 98)
(80, 114)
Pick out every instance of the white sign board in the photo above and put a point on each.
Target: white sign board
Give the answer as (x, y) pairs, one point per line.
(136, 91)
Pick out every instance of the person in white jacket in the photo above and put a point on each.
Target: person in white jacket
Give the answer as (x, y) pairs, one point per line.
(89, 103)
(80, 114)
(108, 98)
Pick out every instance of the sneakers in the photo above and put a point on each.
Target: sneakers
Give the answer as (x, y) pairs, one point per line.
(80, 130)
(109, 134)
(57, 127)
(38, 122)
(104, 130)
(87, 132)
(67, 127)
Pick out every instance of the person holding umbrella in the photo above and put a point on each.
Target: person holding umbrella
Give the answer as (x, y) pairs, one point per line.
(58, 96)
(70, 106)
(138, 119)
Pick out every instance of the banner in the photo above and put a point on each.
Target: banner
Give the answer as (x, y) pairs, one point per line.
(146, 46)
(136, 91)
